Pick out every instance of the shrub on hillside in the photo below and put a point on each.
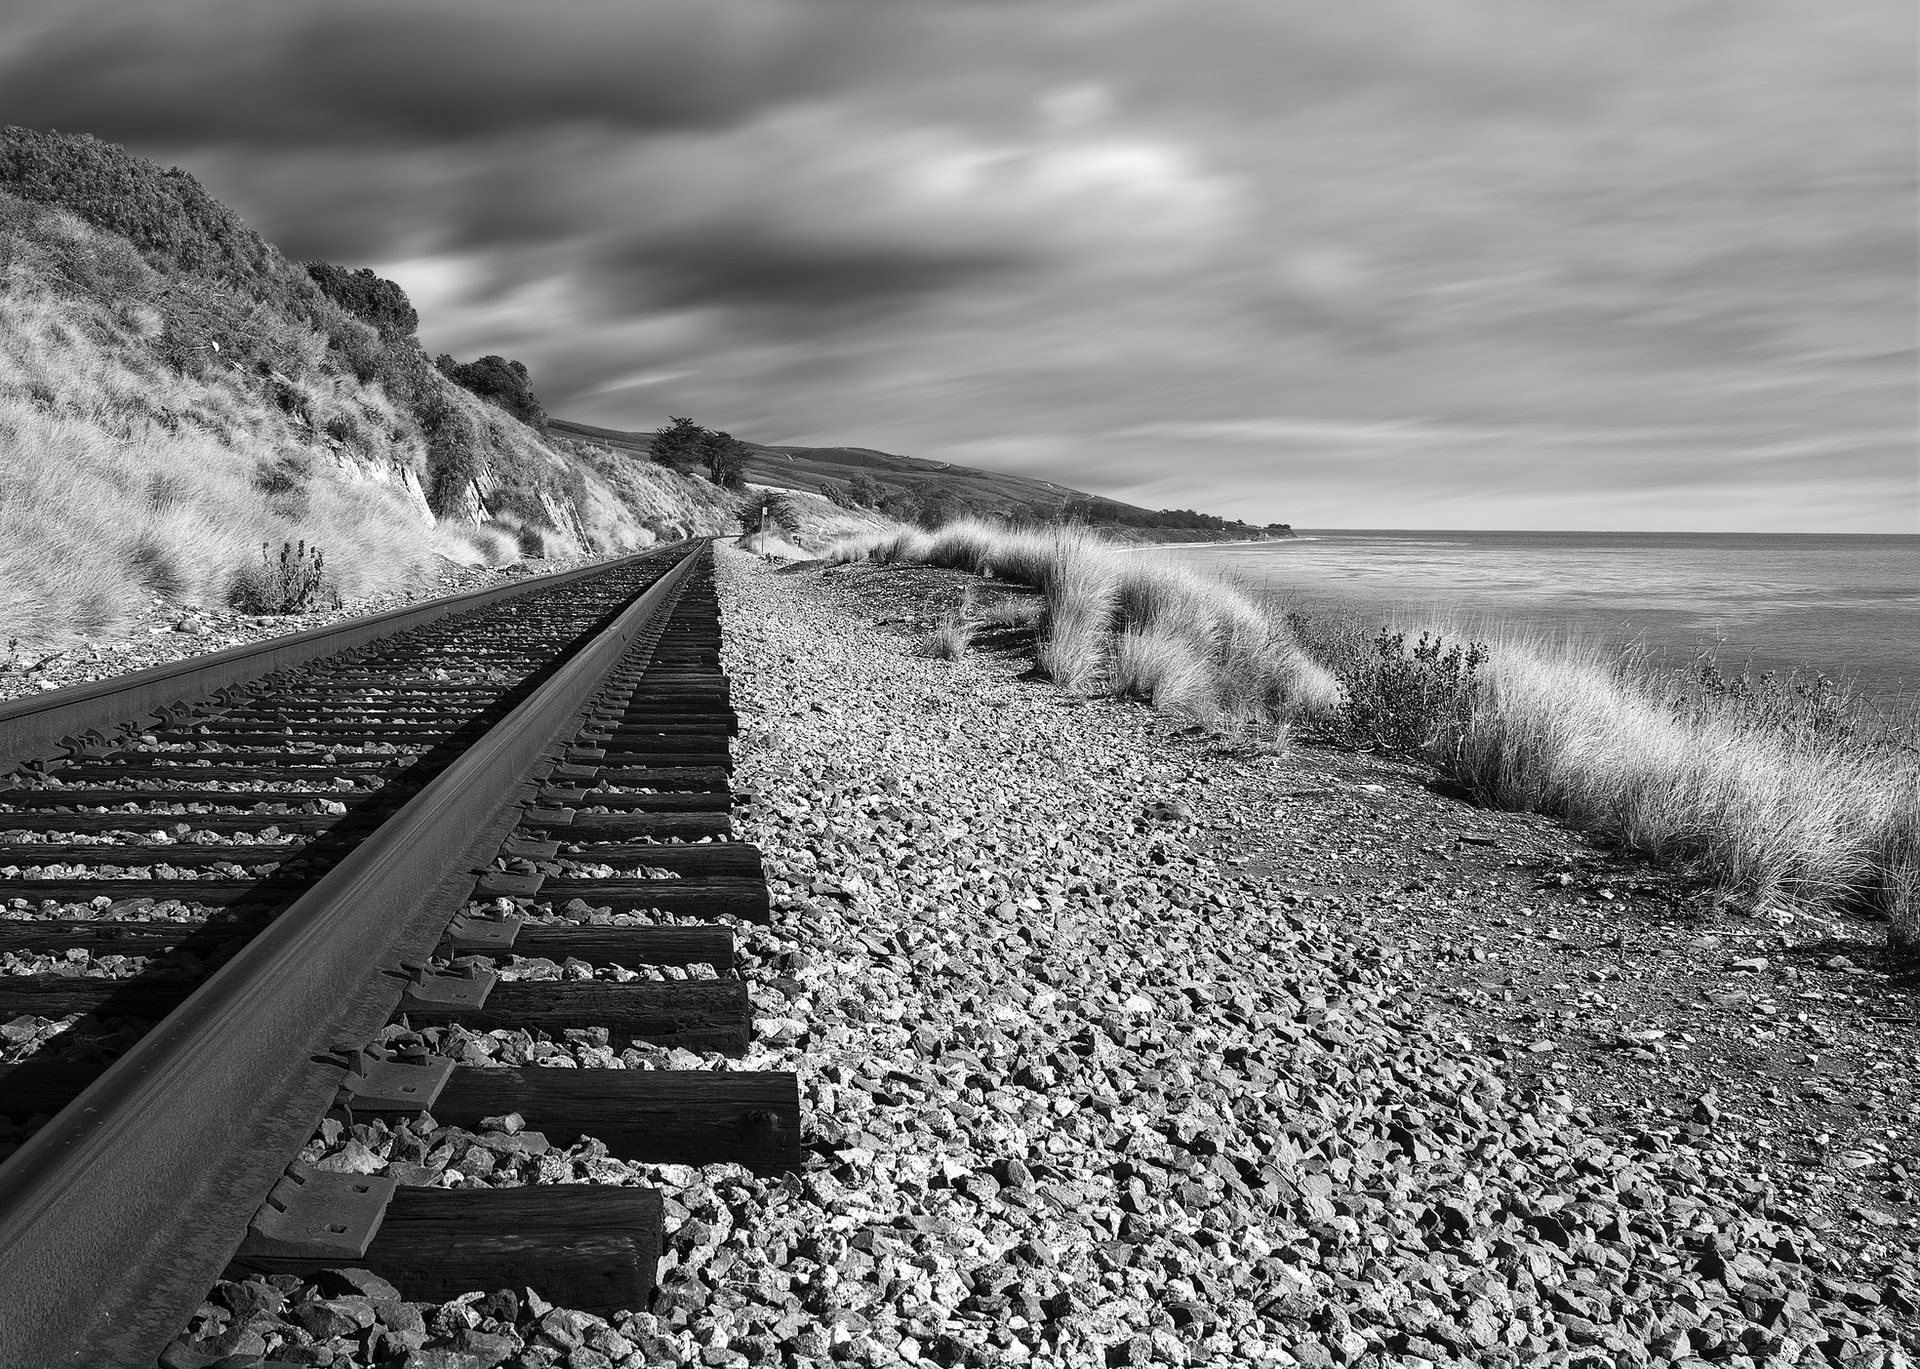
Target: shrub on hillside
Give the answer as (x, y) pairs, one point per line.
(864, 491)
(166, 214)
(774, 507)
(501, 382)
(454, 461)
(370, 298)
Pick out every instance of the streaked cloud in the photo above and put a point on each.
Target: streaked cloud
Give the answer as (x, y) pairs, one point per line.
(1392, 262)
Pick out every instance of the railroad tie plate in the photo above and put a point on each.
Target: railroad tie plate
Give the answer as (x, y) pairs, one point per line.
(482, 934)
(318, 1215)
(378, 1081)
(502, 884)
(466, 987)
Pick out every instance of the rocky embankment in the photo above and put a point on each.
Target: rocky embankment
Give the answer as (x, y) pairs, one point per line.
(1119, 1046)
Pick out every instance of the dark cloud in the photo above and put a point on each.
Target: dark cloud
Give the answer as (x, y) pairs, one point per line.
(313, 73)
(752, 270)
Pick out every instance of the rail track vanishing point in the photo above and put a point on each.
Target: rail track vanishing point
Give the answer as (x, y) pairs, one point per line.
(270, 855)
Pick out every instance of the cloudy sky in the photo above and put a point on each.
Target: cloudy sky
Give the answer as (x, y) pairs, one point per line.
(1380, 263)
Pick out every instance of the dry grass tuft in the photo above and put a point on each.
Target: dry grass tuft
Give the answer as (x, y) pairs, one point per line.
(1010, 611)
(1162, 669)
(952, 639)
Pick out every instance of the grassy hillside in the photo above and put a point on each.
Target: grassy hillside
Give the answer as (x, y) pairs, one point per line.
(900, 484)
(174, 393)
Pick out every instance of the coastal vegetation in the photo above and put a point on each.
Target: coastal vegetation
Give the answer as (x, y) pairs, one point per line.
(1781, 795)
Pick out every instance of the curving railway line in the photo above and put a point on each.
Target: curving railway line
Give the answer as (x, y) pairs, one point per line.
(221, 882)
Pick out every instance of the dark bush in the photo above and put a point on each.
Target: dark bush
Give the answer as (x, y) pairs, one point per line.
(155, 563)
(454, 460)
(865, 491)
(346, 429)
(504, 383)
(295, 582)
(776, 507)
(281, 476)
(1410, 702)
(358, 349)
(370, 298)
(936, 505)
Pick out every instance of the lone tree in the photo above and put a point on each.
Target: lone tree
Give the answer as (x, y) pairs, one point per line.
(680, 444)
(725, 457)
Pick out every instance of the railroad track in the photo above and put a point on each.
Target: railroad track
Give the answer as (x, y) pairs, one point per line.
(224, 884)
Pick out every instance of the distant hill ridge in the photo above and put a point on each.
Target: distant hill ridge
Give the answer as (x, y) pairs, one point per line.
(908, 483)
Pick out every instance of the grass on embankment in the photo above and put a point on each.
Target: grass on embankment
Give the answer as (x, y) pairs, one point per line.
(1773, 795)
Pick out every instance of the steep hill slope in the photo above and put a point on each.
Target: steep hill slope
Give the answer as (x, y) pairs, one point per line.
(174, 394)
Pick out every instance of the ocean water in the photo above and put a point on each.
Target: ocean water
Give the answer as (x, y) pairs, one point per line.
(1845, 605)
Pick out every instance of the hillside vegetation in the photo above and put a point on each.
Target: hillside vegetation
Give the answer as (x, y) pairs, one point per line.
(174, 394)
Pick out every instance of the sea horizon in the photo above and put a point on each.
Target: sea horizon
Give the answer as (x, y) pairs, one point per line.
(1841, 604)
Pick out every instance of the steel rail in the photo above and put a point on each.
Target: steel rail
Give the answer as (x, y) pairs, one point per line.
(34, 727)
(118, 1214)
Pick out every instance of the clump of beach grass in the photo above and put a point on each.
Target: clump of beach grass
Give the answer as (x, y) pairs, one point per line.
(1130, 623)
(1008, 611)
(951, 639)
(1767, 815)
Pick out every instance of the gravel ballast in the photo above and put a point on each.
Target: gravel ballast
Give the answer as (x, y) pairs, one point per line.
(1118, 1046)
